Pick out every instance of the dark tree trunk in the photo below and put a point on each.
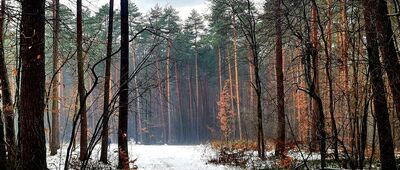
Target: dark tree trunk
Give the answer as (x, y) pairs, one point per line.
(315, 63)
(364, 133)
(123, 93)
(378, 89)
(55, 110)
(260, 132)
(328, 70)
(252, 40)
(318, 117)
(388, 50)
(280, 145)
(107, 81)
(33, 148)
(81, 82)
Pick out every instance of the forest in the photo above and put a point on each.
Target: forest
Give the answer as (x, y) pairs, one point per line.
(243, 84)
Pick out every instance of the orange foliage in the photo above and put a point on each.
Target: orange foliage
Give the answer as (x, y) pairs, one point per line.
(225, 119)
(285, 162)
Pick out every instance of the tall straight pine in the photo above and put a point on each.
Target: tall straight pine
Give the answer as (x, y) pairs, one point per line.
(123, 160)
(32, 139)
(81, 81)
(107, 84)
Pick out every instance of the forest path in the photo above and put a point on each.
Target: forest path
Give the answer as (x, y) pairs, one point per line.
(153, 157)
(179, 157)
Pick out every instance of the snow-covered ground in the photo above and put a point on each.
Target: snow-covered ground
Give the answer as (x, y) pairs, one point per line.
(149, 157)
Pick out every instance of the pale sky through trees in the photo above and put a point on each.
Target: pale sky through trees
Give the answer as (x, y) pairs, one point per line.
(182, 6)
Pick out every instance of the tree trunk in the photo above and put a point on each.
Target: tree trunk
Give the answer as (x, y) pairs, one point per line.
(6, 96)
(55, 107)
(168, 94)
(251, 80)
(206, 121)
(138, 133)
(231, 96)
(318, 117)
(179, 99)
(33, 144)
(315, 61)
(344, 34)
(237, 79)
(123, 157)
(161, 105)
(280, 145)
(364, 134)
(328, 70)
(107, 84)
(219, 69)
(81, 82)
(260, 143)
(389, 51)
(197, 90)
(344, 45)
(378, 88)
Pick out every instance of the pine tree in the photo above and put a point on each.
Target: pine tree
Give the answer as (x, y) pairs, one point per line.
(280, 146)
(55, 109)
(32, 139)
(81, 82)
(107, 84)
(123, 156)
(378, 88)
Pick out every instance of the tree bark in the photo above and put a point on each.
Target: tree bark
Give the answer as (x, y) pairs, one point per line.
(123, 157)
(315, 63)
(344, 46)
(237, 78)
(389, 51)
(162, 114)
(107, 89)
(169, 93)
(344, 34)
(280, 145)
(190, 119)
(81, 82)
(260, 143)
(219, 68)
(55, 107)
(318, 117)
(138, 133)
(378, 88)
(33, 148)
(197, 109)
(231, 96)
(328, 70)
(251, 79)
(179, 99)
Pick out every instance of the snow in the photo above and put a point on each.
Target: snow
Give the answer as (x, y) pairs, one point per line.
(168, 157)
(173, 157)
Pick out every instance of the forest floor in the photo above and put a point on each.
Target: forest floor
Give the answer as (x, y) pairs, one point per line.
(190, 157)
(165, 157)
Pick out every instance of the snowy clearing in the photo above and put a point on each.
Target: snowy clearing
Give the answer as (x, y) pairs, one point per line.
(149, 157)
